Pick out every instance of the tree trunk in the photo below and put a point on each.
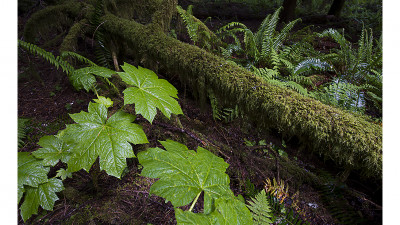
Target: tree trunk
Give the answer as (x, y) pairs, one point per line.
(336, 8)
(346, 138)
(288, 13)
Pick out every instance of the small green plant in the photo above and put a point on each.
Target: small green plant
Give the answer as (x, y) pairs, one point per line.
(68, 106)
(198, 32)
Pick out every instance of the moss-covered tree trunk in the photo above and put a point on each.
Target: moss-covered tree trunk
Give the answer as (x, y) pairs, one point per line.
(348, 139)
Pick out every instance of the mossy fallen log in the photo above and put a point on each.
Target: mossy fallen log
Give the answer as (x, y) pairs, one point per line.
(46, 20)
(348, 139)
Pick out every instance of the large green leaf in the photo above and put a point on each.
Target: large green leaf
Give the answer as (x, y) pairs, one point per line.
(184, 174)
(227, 212)
(54, 149)
(31, 170)
(96, 136)
(149, 92)
(43, 195)
(83, 78)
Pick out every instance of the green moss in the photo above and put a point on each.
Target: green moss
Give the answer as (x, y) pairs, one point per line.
(44, 21)
(70, 41)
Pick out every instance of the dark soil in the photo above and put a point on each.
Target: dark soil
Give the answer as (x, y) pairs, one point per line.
(46, 97)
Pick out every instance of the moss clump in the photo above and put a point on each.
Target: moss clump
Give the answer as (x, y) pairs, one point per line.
(52, 17)
(70, 41)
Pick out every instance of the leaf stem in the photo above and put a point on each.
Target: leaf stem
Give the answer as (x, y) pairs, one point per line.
(194, 202)
(95, 91)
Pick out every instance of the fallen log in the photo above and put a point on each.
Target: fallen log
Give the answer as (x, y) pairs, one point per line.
(348, 139)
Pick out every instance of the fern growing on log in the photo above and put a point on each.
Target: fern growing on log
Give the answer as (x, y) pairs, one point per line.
(272, 76)
(218, 113)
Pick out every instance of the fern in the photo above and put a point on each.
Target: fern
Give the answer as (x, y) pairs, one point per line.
(48, 56)
(191, 26)
(343, 94)
(218, 113)
(259, 206)
(273, 77)
(198, 32)
(80, 78)
(310, 65)
(101, 50)
(22, 123)
(269, 209)
(73, 55)
(258, 47)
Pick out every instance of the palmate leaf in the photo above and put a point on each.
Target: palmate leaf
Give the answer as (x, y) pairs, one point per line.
(43, 195)
(96, 136)
(107, 102)
(54, 149)
(149, 92)
(227, 212)
(184, 174)
(63, 174)
(84, 77)
(30, 170)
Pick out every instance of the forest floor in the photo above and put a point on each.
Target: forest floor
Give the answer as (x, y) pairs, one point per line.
(46, 98)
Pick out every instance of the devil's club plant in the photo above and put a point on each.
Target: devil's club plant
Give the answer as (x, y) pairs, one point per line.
(149, 93)
(184, 174)
(54, 149)
(94, 135)
(34, 185)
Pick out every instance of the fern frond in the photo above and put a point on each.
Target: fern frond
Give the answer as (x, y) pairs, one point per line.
(302, 80)
(260, 32)
(297, 87)
(80, 58)
(339, 38)
(191, 26)
(270, 29)
(226, 114)
(238, 27)
(251, 45)
(267, 74)
(22, 123)
(283, 34)
(48, 56)
(310, 65)
(259, 207)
